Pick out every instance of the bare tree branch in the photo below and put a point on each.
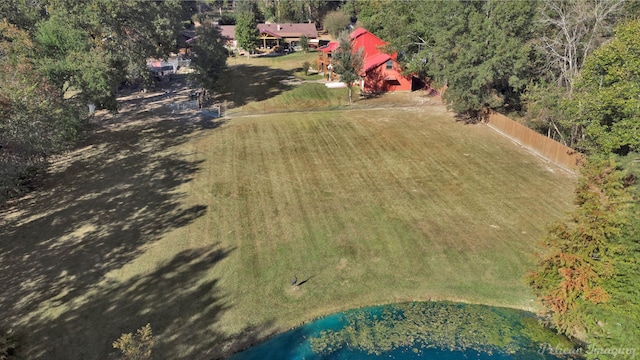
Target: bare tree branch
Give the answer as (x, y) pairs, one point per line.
(572, 30)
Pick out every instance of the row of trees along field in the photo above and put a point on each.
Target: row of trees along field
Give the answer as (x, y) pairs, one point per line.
(58, 56)
(571, 70)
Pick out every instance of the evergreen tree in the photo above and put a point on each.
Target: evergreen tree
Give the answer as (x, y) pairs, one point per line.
(479, 50)
(580, 253)
(136, 346)
(23, 14)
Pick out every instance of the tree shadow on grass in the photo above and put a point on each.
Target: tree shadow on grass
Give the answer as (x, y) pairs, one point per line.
(179, 299)
(95, 213)
(241, 84)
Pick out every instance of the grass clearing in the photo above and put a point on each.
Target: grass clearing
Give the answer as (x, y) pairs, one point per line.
(286, 62)
(197, 226)
(372, 206)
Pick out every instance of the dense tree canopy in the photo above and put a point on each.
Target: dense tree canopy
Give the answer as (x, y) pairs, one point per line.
(22, 13)
(56, 57)
(209, 56)
(35, 120)
(587, 274)
(335, 22)
(480, 50)
(567, 33)
(606, 101)
(570, 31)
(294, 10)
(94, 46)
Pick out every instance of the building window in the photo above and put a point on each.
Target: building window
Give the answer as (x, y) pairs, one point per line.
(389, 65)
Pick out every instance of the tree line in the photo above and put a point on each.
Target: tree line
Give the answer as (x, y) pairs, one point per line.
(567, 68)
(547, 62)
(570, 70)
(59, 56)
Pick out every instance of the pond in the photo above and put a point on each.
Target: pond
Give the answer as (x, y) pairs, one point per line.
(418, 330)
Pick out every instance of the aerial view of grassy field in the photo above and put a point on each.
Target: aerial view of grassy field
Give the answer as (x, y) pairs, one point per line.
(197, 226)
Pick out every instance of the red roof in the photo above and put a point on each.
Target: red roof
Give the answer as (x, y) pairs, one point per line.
(358, 32)
(374, 61)
(329, 47)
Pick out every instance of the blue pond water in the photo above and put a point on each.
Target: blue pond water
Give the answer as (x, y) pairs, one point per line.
(342, 335)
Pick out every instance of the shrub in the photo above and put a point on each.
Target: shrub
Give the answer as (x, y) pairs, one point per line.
(305, 67)
(8, 345)
(335, 22)
(304, 43)
(136, 347)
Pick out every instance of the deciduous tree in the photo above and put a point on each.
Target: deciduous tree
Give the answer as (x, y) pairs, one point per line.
(209, 56)
(90, 47)
(246, 26)
(335, 22)
(35, 120)
(348, 63)
(570, 31)
(304, 43)
(95, 46)
(606, 101)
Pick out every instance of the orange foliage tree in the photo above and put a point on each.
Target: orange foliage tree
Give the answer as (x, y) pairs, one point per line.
(578, 254)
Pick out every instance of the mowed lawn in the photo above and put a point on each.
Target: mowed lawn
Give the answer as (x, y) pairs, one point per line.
(366, 207)
(198, 227)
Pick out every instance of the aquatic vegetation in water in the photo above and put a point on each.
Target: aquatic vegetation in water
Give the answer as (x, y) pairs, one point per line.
(443, 325)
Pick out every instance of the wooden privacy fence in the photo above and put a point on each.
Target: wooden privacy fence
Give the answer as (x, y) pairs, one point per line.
(538, 143)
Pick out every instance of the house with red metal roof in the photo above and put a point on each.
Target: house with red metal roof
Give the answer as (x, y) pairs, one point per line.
(380, 71)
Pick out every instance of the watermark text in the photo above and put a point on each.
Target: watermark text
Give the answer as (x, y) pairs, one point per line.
(625, 353)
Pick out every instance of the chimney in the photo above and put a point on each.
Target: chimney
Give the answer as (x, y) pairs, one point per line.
(279, 27)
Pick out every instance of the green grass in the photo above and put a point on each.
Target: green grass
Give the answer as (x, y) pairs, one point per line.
(375, 203)
(197, 227)
(373, 207)
(259, 85)
(312, 96)
(286, 62)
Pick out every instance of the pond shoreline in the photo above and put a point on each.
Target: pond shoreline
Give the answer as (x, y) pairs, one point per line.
(442, 308)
